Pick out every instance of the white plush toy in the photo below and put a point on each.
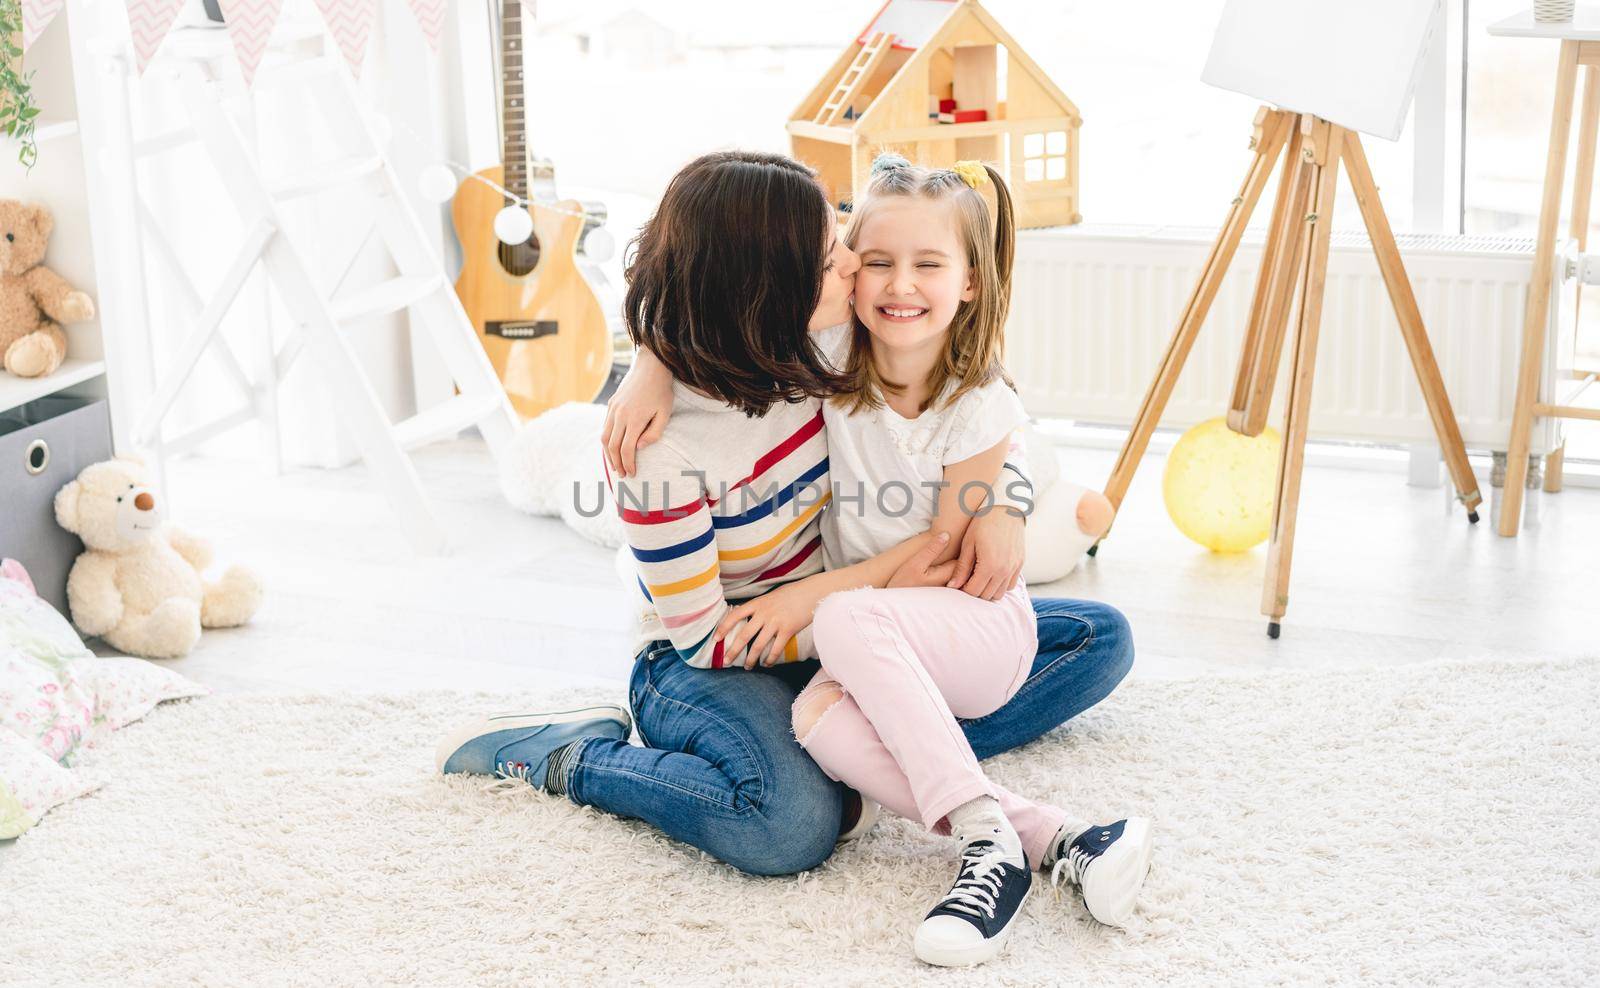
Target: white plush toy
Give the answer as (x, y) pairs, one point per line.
(138, 584)
(554, 467)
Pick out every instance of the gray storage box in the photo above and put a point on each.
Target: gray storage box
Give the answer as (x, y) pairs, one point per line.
(43, 446)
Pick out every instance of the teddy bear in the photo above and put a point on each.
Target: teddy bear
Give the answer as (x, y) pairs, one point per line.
(553, 466)
(34, 300)
(138, 584)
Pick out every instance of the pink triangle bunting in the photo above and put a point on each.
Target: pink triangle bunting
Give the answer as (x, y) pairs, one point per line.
(350, 22)
(250, 24)
(36, 15)
(430, 17)
(149, 21)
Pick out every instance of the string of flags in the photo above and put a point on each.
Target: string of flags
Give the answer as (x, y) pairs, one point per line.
(249, 24)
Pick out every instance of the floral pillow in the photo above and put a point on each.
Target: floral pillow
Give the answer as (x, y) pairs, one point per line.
(30, 784)
(124, 689)
(40, 697)
(57, 697)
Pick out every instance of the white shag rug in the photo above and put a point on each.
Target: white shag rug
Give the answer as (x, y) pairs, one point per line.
(1409, 826)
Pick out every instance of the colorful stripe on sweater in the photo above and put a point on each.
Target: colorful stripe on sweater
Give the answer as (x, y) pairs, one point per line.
(738, 518)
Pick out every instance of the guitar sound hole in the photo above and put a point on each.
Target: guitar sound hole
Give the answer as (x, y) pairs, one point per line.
(519, 259)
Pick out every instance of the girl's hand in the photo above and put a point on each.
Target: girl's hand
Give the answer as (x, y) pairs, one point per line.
(924, 569)
(770, 620)
(637, 413)
(991, 557)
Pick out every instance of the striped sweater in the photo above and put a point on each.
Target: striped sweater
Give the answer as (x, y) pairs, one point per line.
(723, 507)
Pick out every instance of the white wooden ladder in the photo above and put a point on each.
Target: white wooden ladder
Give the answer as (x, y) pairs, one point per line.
(855, 78)
(317, 301)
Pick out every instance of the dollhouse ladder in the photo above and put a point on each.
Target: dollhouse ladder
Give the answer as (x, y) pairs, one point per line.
(322, 312)
(854, 79)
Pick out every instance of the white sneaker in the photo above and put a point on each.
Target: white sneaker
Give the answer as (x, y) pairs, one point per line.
(1108, 865)
(971, 923)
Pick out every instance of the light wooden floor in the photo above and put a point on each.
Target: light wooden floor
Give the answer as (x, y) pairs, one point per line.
(1382, 575)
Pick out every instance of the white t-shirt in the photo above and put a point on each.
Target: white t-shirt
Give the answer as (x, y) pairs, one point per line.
(884, 467)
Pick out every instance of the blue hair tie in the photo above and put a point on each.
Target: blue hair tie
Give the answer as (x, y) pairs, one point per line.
(889, 161)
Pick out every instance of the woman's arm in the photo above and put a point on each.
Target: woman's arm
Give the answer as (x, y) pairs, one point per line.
(992, 552)
(637, 413)
(1014, 489)
(773, 618)
(667, 523)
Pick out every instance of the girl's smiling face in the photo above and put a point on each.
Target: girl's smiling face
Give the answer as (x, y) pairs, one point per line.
(914, 273)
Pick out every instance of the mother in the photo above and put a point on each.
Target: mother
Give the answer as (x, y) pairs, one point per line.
(739, 264)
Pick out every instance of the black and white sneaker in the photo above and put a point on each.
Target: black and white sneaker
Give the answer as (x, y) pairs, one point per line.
(1108, 865)
(971, 923)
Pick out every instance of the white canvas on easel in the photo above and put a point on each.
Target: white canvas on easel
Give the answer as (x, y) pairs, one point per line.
(1351, 62)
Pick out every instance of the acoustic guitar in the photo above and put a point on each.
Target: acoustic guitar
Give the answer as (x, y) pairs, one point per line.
(538, 319)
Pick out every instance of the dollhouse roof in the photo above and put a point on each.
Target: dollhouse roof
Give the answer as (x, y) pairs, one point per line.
(912, 22)
(925, 22)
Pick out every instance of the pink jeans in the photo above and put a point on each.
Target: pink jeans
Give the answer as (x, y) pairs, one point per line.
(905, 663)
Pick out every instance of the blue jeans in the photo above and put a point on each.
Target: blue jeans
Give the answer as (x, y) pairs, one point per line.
(721, 769)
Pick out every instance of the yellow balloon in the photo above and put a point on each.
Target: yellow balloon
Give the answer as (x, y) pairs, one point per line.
(1219, 485)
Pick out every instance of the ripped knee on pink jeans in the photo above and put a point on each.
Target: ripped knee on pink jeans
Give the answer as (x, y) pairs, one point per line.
(812, 704)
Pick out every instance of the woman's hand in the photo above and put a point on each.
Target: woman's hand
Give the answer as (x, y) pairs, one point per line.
(770, 621)
(991, 557)
(637, 413)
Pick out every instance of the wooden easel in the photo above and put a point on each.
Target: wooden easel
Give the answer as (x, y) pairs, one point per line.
(1294, 266)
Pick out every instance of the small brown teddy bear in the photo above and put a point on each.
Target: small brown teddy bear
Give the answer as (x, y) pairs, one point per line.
(34, 300)
(138, 585)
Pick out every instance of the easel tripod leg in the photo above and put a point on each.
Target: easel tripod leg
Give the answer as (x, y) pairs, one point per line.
(1256, 401)
(1272, 130)
(1274, 281)
(1411, 326)
(1291, 462)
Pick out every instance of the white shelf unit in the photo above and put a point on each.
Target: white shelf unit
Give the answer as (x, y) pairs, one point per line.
(73, 372)
(57, 180)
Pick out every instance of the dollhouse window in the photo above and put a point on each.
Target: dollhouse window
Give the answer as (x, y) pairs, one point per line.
(1044, 156)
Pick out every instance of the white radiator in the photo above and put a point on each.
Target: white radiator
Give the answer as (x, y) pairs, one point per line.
(1093, 310)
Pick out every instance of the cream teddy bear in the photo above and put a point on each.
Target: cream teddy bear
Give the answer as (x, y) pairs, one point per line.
(138, 585)
(34, 300)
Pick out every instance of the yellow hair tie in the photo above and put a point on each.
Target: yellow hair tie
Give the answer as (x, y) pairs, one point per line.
(972, 172)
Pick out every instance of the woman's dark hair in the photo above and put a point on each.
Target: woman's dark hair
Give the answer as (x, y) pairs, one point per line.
(724, 278)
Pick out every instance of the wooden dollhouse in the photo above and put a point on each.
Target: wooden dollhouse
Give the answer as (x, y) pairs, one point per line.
(940, 81)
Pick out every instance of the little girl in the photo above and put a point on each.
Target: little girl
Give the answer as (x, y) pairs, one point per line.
(912, 450)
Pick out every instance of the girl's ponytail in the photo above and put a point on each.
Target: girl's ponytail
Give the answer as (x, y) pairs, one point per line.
(1005, 230)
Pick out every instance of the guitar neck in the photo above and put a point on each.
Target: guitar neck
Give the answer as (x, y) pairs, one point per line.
(513, 109)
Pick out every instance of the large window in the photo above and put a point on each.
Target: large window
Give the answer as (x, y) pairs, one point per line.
(1510, 86)
(632, 90)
